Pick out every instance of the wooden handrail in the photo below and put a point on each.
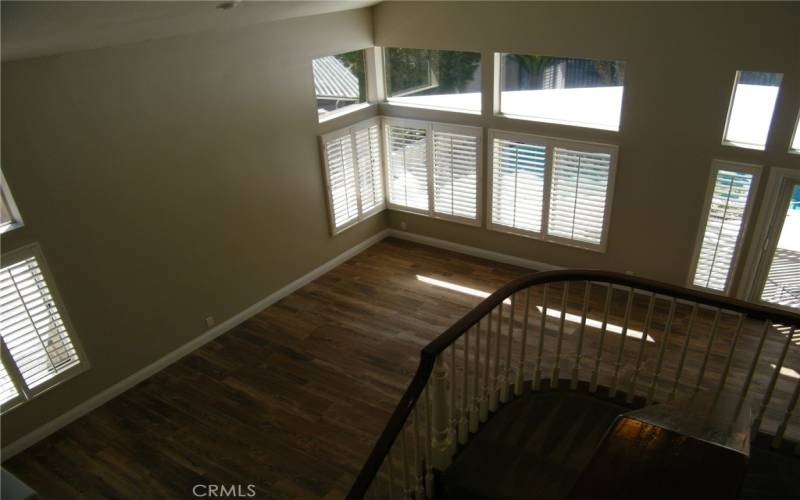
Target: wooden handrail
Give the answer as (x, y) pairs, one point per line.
(438, 345)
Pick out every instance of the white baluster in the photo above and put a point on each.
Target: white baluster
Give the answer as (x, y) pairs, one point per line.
(647, 323)
(559, 341)
(603, 328)
(724, 377)
(660, 361)
(463, 421)
(419, 490)
(506, 387)
(773, 380)
(714, 329)
(428, 443)
(537, 375)
(453, 407)
(621, 352)
(776, 441)
(752, 370)
(684, 350)
(579, 350)
(496, 368)
(521, 368)
(474, 416)
(442, 443)
(486, 370)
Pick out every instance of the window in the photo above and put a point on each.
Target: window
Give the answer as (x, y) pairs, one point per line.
(551, 189)
(434, 168)
(352, 159)
(38, 349)
(442, 79)
(582, 92)
(725, 215)
(339, 83)
(9, 215)
(795, 147)
(750, 113)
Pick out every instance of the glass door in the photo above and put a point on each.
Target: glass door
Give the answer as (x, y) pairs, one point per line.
(780, 268)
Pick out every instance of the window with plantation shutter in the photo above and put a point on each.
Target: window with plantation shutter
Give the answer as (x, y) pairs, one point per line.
(407, 163)
(726, 213)
(551, 189)
(456, 172)
(353, 173)
(38, 347)
(579, 194)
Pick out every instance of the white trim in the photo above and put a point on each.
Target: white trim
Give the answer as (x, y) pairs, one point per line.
(13, 210)
(158, 365)
(472, 251)
(716, 166)
(352, 108)
(795, 136)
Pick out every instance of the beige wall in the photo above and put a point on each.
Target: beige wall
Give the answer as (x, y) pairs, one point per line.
(681, 60)
(170, 180)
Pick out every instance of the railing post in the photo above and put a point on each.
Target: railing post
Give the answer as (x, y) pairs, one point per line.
(442, 445)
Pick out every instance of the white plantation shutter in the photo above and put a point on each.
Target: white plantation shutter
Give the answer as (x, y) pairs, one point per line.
(456, 173)
(354, 173)
(518, 181)
(578, 194)
(407, 164)
(721, 234)
(369, 167)
(7, 390)
(36, 342)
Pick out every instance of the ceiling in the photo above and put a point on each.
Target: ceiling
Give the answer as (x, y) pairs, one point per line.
(41, 28)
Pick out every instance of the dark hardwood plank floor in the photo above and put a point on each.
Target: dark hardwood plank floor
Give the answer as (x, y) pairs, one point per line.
(290, 401)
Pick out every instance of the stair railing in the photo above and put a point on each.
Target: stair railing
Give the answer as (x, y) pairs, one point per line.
(630, 338)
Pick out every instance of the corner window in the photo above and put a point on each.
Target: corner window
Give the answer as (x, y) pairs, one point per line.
(752, 105)
(439, 79)
(9, 215)
(551, 189)
(581, 92)
(727, 209)
(339, 83)
(38, 346)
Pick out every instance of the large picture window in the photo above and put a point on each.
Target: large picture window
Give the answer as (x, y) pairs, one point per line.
(752, 106)
(551, 189)
(339, 83)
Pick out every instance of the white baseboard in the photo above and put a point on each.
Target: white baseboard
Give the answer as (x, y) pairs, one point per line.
(90, 404)
(473, 251)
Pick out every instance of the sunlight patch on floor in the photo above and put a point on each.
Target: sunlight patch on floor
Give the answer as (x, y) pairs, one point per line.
(574, 318)
(457, 288)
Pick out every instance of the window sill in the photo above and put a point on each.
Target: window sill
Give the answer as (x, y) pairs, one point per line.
(343, 111)
(10, 227)
(593, 126)
(547, 239)
(433, 108)
(743, 145)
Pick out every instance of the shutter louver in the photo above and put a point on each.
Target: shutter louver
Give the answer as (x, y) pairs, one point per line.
(518, 180)
(370, 170)
(341, 180)
(408, 166)
(726, 215)
(31, 325)
(578, 194)
(455, 174)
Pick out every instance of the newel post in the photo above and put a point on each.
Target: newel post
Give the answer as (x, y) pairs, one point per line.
(442, 445)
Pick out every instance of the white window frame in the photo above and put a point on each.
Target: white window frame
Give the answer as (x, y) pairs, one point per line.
(430, 126)
(23, 393)
(550, 144)
(369, 83)
(351, 131)
(795, 136)
(497, 96)
(716, 166)
(16, 218)
(744, 145)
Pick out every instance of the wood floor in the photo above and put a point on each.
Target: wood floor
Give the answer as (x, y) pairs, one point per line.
(290, 401)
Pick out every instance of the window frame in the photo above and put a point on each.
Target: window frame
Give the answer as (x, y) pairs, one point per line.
(13, 210)
(389, 100)
(23, 393)
(716, 166)
(795, 137)
(744, 145)
(369, 62)
(550, 144)
(351, 131)
(431, 127)
(499, 79)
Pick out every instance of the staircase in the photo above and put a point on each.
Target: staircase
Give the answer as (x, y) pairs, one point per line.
(515, 399)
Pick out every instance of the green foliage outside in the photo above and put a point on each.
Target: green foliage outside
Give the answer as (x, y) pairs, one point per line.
(430, 71)
(355, 63)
